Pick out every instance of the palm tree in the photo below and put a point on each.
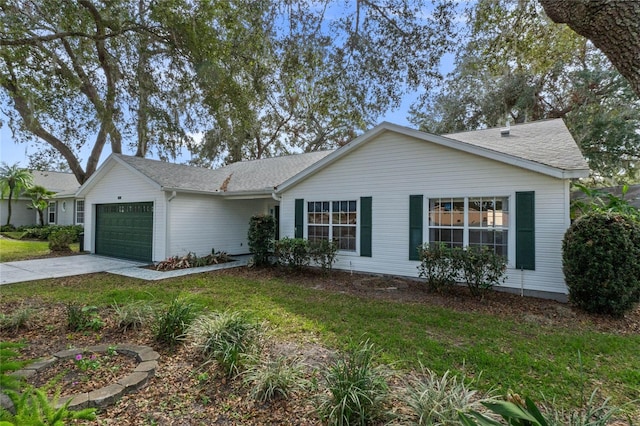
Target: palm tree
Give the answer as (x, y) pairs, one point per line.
(40, 197)
(13, 179)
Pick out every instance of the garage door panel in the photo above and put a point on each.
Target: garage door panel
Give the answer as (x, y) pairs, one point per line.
(125, 230)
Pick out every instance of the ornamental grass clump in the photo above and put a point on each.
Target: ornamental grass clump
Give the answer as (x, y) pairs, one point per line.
(228, 338)
(356, 389)
(277, 378)
(133, 315)
(435, 400)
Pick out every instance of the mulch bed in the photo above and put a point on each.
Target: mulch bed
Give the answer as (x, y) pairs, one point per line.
(185, 393)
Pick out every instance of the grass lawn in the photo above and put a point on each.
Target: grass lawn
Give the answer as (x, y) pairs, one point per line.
(12, 250)
(564, 362)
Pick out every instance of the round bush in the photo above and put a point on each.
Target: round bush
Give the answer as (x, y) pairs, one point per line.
(600, 258)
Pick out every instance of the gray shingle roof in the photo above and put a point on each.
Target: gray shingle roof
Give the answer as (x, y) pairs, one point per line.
(63, 184)
(246, 176)
(546, 142)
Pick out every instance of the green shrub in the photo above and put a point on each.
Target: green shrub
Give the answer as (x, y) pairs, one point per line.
(83, 318)
(293, 252)
(60, 240)
(323, 253)
(275, 378)
(600, 253)
(7, 228)
(480, 268)
(357, 389)
(262, 230)
(42, 232)
(226, 337)
(437, 266)
(171, 324)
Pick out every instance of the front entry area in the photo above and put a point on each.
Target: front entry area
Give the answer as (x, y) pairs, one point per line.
(125, 230)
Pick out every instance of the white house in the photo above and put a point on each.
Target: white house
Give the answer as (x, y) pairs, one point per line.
(64, 208)
(380, 196)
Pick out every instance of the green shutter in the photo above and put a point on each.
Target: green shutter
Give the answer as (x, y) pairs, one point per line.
(365, 226)
(299, 220)
(525, 230)
(415, 226)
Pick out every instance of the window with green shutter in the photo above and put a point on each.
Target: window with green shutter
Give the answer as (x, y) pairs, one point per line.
(365, 226)
(525, 230)
(415, 226)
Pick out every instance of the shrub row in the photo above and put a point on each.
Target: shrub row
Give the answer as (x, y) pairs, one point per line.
(297, 253)
(479, 267)
(39, 232)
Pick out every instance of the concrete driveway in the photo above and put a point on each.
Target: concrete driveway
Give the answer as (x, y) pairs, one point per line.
(55, 267)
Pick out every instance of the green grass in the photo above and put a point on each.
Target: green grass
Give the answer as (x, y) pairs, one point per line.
(557, 363)
(12, 250)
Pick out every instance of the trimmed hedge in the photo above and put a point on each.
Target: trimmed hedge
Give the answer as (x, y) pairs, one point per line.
(601, 263)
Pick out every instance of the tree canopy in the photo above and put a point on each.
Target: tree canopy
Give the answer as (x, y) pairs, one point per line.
(519, 66)
(253, 78)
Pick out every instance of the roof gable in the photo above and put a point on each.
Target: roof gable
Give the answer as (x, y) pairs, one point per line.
(255, 177)
(545, 147)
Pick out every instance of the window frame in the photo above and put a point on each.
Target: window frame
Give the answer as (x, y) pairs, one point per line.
(509, 226)
(331, 226)
(77, 210)
(52, 212)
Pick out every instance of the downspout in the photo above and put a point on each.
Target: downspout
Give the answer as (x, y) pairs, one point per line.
(275, 197)
(172, 196)
(167, 228)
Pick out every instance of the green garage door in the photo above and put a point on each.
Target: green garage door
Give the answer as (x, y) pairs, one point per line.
(125, 230)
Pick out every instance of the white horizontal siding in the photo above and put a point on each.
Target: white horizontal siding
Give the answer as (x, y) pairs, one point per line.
(392, 167)
(118, 184)
(200, 223)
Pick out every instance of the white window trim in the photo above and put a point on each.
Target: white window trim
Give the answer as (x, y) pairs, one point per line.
(305, 235)
(511, 255)
(76, 212)
(49, 212)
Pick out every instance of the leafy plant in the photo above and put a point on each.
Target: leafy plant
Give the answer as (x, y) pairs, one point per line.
(226, 337)
(33, 407)
(261, 235)
(134, 315)
(293, 252)
(518, 412)
(8, 363)
(275, 378)
(437, 266)
(357, 388)
(83, 318)
(598, 200)
(600, 253)
(191, 260)
(324, 253)
(480, 268)
(170, 325)
(435, 400)
(60, 240)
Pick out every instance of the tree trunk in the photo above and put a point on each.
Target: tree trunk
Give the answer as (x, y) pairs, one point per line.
(9, 205)
(613, 26)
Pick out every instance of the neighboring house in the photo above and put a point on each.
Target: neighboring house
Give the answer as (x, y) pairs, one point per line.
(380, 197)
(64, 208)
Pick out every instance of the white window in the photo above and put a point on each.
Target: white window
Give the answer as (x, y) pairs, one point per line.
(79, 212)
(333, 220)
(52, 212)
(470, 221)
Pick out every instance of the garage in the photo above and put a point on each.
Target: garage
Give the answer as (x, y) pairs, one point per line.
(125, 230)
